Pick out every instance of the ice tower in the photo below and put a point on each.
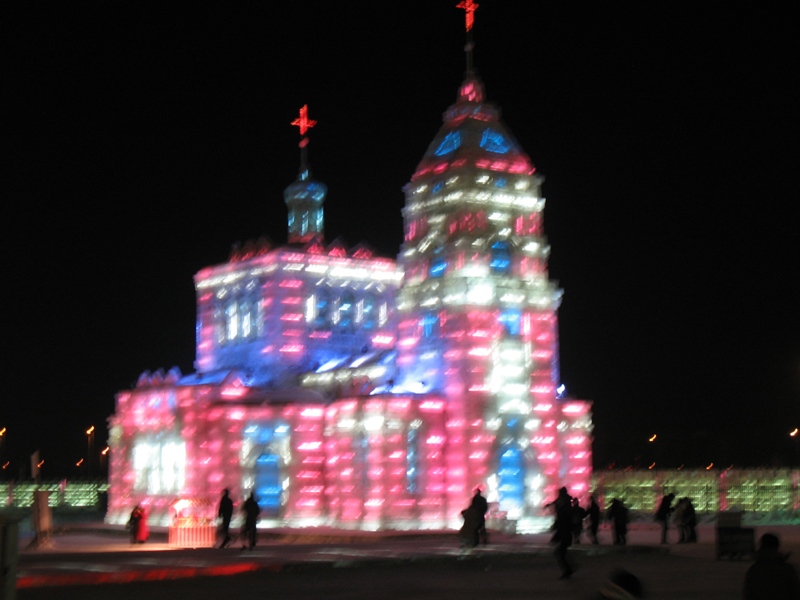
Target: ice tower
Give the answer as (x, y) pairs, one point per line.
(477, 311)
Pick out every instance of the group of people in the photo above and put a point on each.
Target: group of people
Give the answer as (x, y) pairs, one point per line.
(588, 519)
(568, 525)
(251, 512)
(139, 531)
(682, 515)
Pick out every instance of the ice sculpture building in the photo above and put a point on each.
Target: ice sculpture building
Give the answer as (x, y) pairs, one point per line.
(355, 391)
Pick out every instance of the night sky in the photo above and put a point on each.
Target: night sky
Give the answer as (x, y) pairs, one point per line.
(142, 142)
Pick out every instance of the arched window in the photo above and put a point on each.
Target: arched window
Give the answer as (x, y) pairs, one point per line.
(265, 448)
(321, 309)
(511, 480)
(232, 320)
(347, 309)
(369, 312)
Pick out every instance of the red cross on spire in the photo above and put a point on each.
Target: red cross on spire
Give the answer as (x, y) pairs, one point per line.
(303, 122)
(469, 8)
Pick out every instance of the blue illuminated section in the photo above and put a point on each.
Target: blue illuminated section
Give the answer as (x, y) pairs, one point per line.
(450, 142)
(500, 261)
(430, 325)
(494, 141)
(268, 483)
(346, 310)
(511, 479)
(510, 319)
(438, 267)
(323, 307)
(266, 437)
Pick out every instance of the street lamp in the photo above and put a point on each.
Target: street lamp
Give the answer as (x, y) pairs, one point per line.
(2, 437)
(90, 444)
(103, 457)
(794, 434)
(653, 450)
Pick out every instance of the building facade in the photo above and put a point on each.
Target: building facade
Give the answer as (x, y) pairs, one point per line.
(349, 390)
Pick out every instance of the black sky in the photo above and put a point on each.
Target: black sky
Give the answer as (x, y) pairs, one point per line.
(141, 142)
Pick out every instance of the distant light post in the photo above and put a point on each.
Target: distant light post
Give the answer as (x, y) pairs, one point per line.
(90, 446)
(652, 440)
(2, 438)
(103, 458)
(794, 434)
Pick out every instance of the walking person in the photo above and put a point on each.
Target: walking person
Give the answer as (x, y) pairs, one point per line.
(618, 515)
(468, 534)
(481, 507)
(770, 576)
(225, 512)
(663, 513)
(594, 519)
(251, 512)
(578, 515)
(690, 522)
(133, 522)
(137, 525)
(563, 531)
(678, 519)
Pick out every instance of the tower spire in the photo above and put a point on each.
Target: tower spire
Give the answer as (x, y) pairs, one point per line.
(305, 197)
(304, 123)
(469, 7)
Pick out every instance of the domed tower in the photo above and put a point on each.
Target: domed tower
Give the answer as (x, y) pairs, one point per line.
(477, 310)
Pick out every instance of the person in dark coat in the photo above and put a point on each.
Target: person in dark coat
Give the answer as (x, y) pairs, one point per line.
(563, 531)
(251, 512)
(468, 534)
(618, 515)
(594, 520)
(225, 513)
(137, 525)
(481, 507)
(689, 521)
(578, 515)
(770, 576)
(663, 513)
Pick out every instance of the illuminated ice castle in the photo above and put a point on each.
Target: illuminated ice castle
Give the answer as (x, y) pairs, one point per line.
(362, 392)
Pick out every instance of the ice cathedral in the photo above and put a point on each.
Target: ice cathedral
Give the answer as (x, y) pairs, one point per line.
(353, 391)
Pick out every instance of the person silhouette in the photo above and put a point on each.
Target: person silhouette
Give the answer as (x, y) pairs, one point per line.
(133, 523)
(618, 515)
(225, 512)
(481, 507)
(663, 513)
(137, 524)
(251, 512)
(594, 519)
(578, 515)
(770, 576)
(563, 531)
